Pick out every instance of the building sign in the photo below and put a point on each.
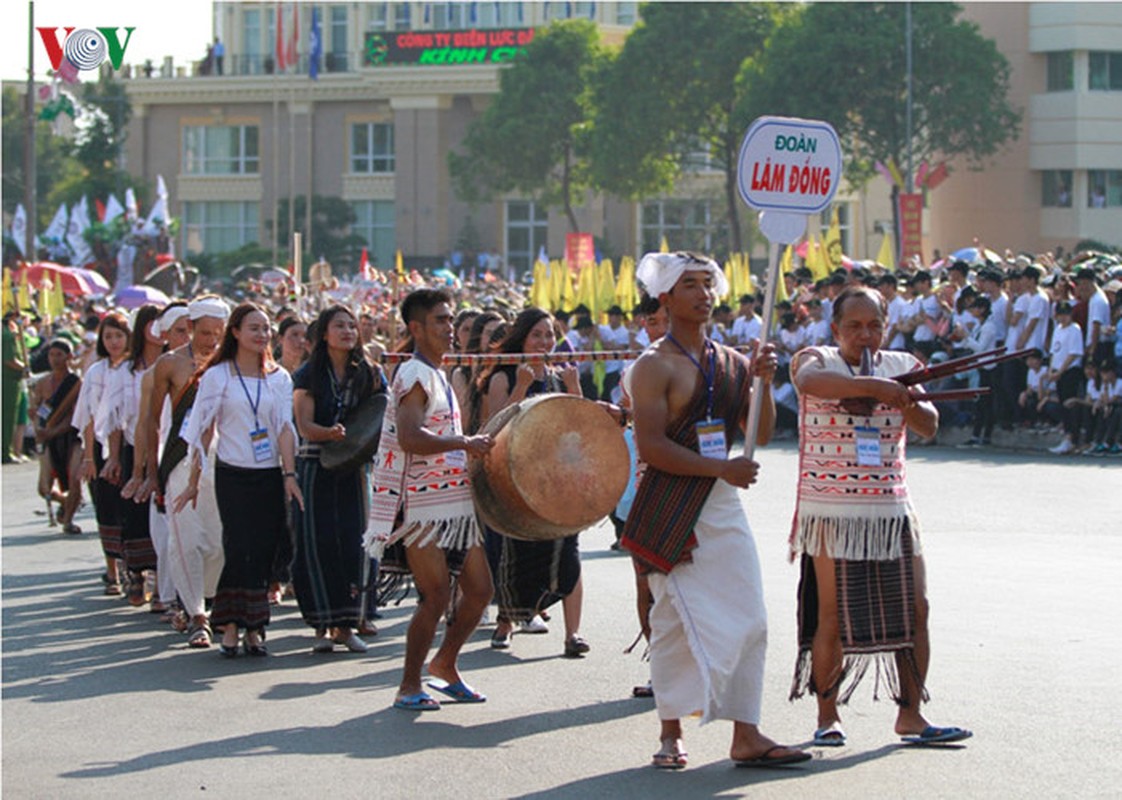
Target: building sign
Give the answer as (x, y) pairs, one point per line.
(911, 226)
(441, 48)
(789, 165)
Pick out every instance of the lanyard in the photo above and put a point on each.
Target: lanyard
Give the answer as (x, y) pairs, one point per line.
(708, 375)
(444, 382)
(253, 405)
(337, 392)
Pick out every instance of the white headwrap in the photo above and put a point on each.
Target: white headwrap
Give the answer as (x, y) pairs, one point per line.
(658, 272)
(166, 321)
(208, 307)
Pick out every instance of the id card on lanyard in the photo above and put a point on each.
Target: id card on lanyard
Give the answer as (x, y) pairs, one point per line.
(711, 441)
(259, 434)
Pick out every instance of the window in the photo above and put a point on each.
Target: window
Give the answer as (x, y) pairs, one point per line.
(220, 150)
(584, 10)
(377, 17)
(686, 225)
(219, 227)
(494, 15)
(626, 13)
(1056, 188)
(700, 157)
(270, 39)
(1104, 188)
(252, 50)
(336, 58)
(452, 15)
(372, 148)
(374, 222)
(401, 20)
(527, 227)
(1061, 71)
(1106, 72)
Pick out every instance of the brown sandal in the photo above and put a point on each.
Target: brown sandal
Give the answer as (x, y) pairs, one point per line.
(198, 636)
(670, 755)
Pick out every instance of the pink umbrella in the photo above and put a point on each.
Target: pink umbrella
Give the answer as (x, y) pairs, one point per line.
(136, 296)
(72, 283)
(94, 278)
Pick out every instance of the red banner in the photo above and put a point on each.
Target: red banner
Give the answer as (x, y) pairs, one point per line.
(579, 250)
(911, 226)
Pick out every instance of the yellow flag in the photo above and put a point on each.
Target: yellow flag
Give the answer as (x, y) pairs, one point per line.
(747, 285)
(567, 296)
(399, 263)
(606, 289)
(663, 246)
(23, 294)
(784, 268)
(58, 301)
(815, 259)
(887, 255)
(540, 288)
(8, 301)
(832, 248)
(895, 172)
(730, 278)
(44, 299)
(627, 293)
(586, 288)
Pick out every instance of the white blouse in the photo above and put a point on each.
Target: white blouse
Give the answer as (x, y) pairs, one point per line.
(108, 412)
(123, 398)
(225, 398)
(89, 398)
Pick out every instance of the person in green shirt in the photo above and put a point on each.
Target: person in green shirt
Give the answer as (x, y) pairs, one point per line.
(11, 389)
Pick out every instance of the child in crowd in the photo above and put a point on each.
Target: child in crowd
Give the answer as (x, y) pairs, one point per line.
(1107, 411)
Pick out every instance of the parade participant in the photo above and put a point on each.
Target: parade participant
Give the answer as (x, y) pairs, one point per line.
(687, 528)
(246, 400)
(327, 570)
(14, 367)
(194, 533)
(104, 477)
(55, 396)
(862, 591)
(422, 498)
(465, 378)
(171, 328)
(120, 407)
(530, 576)
(292, 352)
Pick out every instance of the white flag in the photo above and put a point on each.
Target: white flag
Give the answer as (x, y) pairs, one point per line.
(19, 229)
(79, 221)
(161, 189)
(113, 209)
(159, 212)
(56, 231)
(131, 210)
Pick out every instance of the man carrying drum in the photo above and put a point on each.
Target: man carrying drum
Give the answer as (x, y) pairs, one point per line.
(687, 528)
(422, 497)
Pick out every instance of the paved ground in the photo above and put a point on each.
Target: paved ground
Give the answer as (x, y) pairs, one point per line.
(1023, 558)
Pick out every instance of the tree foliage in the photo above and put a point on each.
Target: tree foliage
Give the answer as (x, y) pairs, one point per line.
(846, 63)
(331, 218)
(532, 138)
(673, 90)
(53, 157)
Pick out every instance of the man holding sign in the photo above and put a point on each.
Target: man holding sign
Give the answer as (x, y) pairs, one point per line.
(687, 528)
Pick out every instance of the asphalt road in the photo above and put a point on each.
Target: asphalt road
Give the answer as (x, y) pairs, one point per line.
(1024, 553)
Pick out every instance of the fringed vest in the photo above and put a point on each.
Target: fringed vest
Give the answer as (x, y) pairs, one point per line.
(846, 510)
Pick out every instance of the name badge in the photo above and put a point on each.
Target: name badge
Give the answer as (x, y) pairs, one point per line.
(868, 446)
(44, 414)
(183, 426)
(456, 459)
(262, 447)
(711, 439)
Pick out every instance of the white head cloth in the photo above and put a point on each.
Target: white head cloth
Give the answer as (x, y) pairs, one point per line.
(166, 321)
(208, 307)
(658, 272)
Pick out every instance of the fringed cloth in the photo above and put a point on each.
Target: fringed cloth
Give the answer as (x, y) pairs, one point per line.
(251, 504)
(876, 619)
(421, 500)
(847, 510)
(659, 531)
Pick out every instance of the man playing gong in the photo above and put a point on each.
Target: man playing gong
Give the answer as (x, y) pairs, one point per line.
(422, 498)
(687, 528)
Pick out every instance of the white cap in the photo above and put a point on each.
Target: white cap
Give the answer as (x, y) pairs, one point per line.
(658, 272)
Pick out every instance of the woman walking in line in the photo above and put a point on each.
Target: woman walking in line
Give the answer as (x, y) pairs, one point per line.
(247, 400)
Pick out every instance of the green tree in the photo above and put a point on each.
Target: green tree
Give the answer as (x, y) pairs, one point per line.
(331, 221)
(673, 91)
(531, 139)
(53, 158)
(845, 63)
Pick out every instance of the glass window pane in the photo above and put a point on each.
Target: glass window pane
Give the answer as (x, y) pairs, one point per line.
(1099, 80)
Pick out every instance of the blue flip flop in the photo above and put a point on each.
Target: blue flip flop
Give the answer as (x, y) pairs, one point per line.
(830, 736)
(421, 701)
(458, 691)
(934, 735)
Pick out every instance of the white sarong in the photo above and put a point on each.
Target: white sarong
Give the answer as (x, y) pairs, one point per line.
(195, 542)
(708, 622)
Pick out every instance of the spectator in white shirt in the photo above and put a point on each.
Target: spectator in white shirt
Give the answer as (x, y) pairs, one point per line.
(898, 316)
(613, 336)
(981, 339)
(748, 324)
(1097, 345)
(1066, 372)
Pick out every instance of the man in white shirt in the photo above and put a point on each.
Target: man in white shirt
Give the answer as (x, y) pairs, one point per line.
(613, 336)
(1096, 346)
(928, 308)
(1065, 371)
(748, 324)
(897, 313)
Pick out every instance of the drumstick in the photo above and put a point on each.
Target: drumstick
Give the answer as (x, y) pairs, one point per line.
(953, 394)
(964, 364)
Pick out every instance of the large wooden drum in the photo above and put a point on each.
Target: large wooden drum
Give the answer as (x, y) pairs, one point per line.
(559, 464)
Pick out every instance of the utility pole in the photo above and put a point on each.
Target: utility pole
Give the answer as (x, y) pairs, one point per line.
(30, 171)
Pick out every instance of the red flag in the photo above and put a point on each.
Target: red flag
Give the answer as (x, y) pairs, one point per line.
(293, 37)
(280, 40)
(937, 175)
(364, 265)
(100, 210)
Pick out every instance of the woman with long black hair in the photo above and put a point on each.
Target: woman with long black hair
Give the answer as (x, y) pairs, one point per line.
(112, 349)
(123, 402)
(327, 570)
(247, 400)
(531, 576)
